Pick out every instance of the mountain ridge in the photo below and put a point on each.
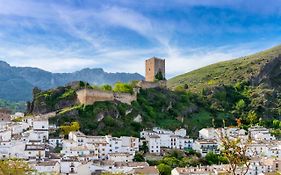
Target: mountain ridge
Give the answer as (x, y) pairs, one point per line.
(17, 82)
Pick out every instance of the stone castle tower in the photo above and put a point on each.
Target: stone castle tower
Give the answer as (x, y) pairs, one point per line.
(154, 66)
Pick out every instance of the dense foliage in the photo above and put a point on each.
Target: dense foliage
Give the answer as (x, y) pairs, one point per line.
(178, 158)
(161, 107)
(156, 107)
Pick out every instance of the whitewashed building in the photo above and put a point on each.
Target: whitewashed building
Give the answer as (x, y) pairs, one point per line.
(166, 139)
(51, 167)
(205, 146)
(260, 133)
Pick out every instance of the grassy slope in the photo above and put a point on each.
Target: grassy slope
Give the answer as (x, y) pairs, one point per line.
(227, 72)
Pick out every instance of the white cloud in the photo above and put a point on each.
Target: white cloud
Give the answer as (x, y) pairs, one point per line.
(89, 24)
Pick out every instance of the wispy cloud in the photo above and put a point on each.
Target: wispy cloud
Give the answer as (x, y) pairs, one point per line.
(64, 36)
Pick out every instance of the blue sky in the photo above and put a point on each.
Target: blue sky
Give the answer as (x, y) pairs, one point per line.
(68, 35)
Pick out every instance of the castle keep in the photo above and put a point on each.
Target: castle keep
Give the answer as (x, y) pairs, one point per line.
(154, 66)
(154, 78)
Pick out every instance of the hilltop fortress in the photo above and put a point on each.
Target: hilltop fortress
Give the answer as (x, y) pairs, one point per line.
(154, 77)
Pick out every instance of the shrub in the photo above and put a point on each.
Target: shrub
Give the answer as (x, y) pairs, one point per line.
(123, 87)
(66, 129)
(106, 87)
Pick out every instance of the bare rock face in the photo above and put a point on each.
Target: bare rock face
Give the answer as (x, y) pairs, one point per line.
(270, 74)
(138, 119)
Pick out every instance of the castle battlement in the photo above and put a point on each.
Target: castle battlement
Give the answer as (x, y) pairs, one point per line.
(90, 96)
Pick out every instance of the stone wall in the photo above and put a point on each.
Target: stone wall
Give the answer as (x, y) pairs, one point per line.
(125, 97)
(157, 84)
(90, 96)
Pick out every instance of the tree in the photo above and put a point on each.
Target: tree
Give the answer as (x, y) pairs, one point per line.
(123, 87)
(106, 87)
(235, 152)
(276, 123)
(240, 105)
(212, 158)
(138, 158)
(252, 117)
(144, 147)
(66, 129)
(164, 169)
(14, 167)
(159, 76)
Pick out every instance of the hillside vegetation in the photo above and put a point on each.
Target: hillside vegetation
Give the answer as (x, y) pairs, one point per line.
(260, 73)
(230, 72)
(245, 90)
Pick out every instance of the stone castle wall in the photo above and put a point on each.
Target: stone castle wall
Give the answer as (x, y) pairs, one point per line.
(90, 96)
(157, 84)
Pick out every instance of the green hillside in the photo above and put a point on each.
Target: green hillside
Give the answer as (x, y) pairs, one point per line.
(247, 88)
(261, 73)
(227, 72)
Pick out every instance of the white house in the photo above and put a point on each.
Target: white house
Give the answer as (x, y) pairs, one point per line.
(154, 143)
(35, 150)
(260, 133)
(5, 135)
(69, 165)
(120, 157)
(168, 139)
(115, 167)
(130, 142)
(41, 127)
(208, 134)
(54, 142)
(205, 146)
(48, 167)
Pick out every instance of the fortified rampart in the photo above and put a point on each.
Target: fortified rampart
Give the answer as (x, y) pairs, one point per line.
(156, 84)
(90, 96)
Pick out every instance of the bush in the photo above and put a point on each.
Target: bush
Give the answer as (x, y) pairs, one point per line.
(66, 129)
(138, 158)
(106, 87)
(164, 169)
(123, 88)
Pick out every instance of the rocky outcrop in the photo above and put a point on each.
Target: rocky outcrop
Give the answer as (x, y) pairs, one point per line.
(52, 100)
(270, 74)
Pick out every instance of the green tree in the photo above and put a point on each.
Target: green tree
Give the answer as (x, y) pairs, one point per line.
(276, 123)
(144, 147)
(139, 158)
(66, 129)
(252, 117)
(159, 76)
(212, 158)
(14, 167)
(123, 87)
(240, 105)
(164, 169)
(106, 87)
